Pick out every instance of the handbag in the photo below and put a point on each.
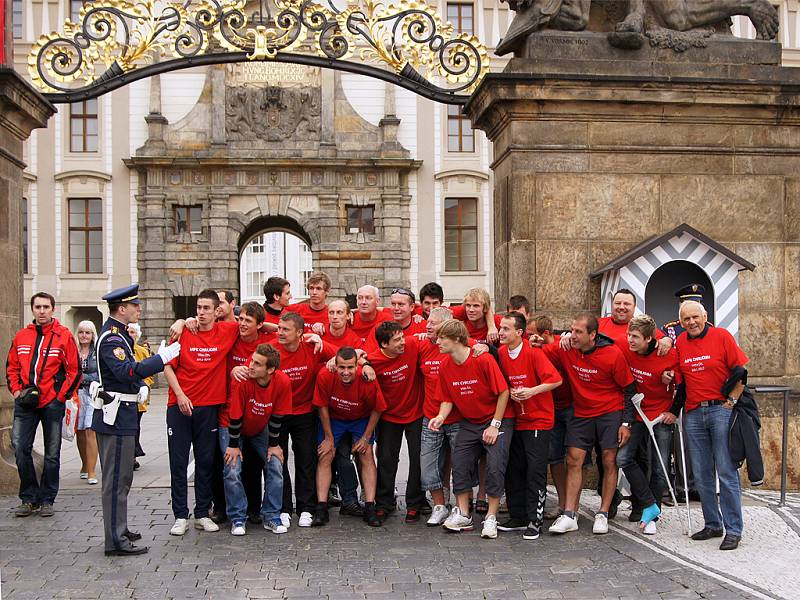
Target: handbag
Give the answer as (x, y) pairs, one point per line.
(29, 395)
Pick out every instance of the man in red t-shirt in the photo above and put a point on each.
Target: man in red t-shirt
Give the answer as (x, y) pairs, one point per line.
(397, 373)
(197, 388)
(711, 364)
(348, 404)
(477, 314)
(338, 333)
(431, 295)
(655, 376)
(602, 388)
(315, 310)
(255, 411)
(476, 387)
(227, 302)
(277, 292)
(368, 315)
(300, 362)
(402, 302)
(531, 378)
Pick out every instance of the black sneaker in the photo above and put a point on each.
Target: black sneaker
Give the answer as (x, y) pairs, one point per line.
(615, 502)
(412, 515)
(635, 516)
(321, 517)
(219, 517)
(425, 509)
(371, 517)
(512, 524)
(382, 514)
(531, 532)
(352, 510)
(255, 518)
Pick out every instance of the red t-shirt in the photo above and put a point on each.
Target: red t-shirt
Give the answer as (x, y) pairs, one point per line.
(706, 362)
(529, 369)
(349, 338)
(647, 370)
(479, 334)
(364, 329)
(400, 382)
(302, 367)
(200, 367)
(348, 401)
(473, 387)
(240, 355)
(597, 379)
(618, 331)
(310, 315)
(562, 395)
(430, 358)
(255, 404)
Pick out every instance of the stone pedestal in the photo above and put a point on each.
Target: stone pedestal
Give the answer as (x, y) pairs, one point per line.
(596, 149)
(21, 110)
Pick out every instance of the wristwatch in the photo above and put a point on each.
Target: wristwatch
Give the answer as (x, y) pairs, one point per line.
(496, 423)
(628, 425)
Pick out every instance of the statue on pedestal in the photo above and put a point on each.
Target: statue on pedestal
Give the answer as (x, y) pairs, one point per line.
(677, 24)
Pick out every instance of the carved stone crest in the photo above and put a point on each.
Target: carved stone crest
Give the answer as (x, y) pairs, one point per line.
(272, 113)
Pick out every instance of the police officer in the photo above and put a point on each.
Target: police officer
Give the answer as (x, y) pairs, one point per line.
(693, 291)
(115, 421)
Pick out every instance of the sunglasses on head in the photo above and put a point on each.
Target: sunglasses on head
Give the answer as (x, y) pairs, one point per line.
(405, 292)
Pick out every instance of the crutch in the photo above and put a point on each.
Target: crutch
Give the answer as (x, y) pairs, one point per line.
(685, 476)
(637, 404)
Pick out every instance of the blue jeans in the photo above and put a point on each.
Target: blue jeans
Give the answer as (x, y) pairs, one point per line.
(23, 433)
(432, 453)
(646, 492)
(235, 497)
(707, 433)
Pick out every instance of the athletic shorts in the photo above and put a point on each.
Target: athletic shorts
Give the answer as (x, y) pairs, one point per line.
(558, 449)
(585, 432)
(339, 428)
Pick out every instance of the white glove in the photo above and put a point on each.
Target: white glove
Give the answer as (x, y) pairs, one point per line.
(168, 353)
(144, 393)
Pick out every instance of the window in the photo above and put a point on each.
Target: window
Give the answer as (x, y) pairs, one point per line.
(24, 235)
(460, 137)
(16, 18)
(83, 126)
(184, 306)
(460, 17)
(75, 9)
(461, 234)
(360, 219)
(85, 235)
(188, 219)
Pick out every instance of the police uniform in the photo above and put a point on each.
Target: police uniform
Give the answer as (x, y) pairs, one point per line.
(693, 291)
(121, 379)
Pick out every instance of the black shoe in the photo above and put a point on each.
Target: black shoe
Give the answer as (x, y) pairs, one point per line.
(352, 510)
(382, 514)
(136, 466)
(412, 515)
(371, 517)
(635, 516)
(425, 509)
(731, 542)
(219, 518)
(531, 532)
(615, 502)
(321, 517)
(132, 535)
(706, 533)
(512, 524)
(129, 551)
(255, 518)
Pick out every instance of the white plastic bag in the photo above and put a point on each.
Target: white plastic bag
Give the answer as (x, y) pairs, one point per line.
(70, 421)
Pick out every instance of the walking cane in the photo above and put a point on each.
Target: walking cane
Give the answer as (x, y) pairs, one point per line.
(637, 404)
(685, 476)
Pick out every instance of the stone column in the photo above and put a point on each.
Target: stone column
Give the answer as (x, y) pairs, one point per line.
(22, 109)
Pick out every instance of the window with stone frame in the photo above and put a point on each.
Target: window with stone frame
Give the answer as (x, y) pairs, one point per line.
(461, 234)
(188, 219)
(16, 19)
(361, 219)
(85, 235)
(75, 9)
(83, 126)
(461, 16)
(460, 136)
(24, 235)
(184, 307)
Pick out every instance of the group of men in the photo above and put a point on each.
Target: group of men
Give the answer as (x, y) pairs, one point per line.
(485, 400)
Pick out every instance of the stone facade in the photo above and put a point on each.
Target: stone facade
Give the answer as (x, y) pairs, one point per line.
(266, 147)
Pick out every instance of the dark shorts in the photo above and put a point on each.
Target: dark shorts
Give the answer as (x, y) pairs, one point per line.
(558, 449)
(468, 449)
(585, 432)
(340, 428)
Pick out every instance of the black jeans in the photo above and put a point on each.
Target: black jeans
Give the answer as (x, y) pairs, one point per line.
(390, 441)
(526, 476)
(303, 431)
(629, 458)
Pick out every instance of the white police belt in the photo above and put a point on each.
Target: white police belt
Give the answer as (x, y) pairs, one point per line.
(132, 398)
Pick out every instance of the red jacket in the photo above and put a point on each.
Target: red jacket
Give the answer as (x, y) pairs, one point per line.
(62, 372)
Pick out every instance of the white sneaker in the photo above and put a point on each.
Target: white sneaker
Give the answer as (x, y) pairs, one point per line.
(305, 519)
(206, 524)
(489, 528)
(563, 524)
(650, 528)
(238, 529)
(180, 527)
(600, 524)
(275, 526)
(438, 516)
(286, 520)
(457, 521)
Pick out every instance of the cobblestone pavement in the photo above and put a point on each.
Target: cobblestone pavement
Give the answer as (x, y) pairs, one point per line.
(62, 557)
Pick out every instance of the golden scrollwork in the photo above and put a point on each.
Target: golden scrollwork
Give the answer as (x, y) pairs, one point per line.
(114, 37)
